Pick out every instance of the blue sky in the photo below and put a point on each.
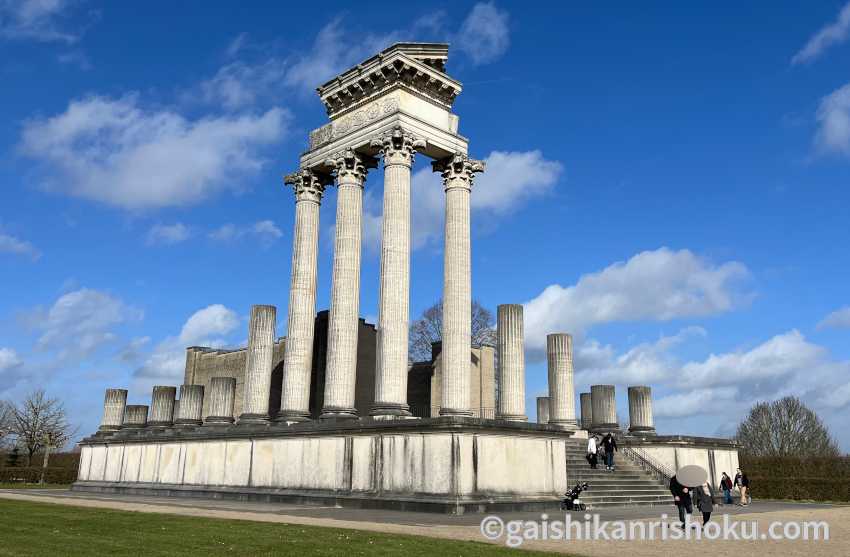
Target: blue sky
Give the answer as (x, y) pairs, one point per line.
(666, 181)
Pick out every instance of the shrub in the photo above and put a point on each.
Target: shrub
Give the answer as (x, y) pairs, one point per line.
(32, 474)
(814, 478)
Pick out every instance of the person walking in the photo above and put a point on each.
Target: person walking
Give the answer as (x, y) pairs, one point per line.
(726, 486)
(742, 482)
(610, 445)
(705, 501)
(592, 451)
(682, 499)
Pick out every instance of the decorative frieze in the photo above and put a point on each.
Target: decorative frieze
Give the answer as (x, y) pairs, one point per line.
(353, 121)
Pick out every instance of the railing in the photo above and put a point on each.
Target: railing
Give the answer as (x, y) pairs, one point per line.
(426, 411)
(648, 463)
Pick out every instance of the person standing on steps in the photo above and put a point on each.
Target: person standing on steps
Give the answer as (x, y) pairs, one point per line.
(705, 501)
(726, 486)
(610, 445)
(591, 451)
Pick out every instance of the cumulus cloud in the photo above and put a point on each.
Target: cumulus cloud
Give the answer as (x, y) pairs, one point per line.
(80, 322)
(16, 246)
(832, 34)
(833, 118)
(116, 152)
(38, 20)
(266, 232)
(511, 180)
(838, 319)
(210, 322)
(168, 234)
(658, 285)
(9, 359)
(484, 35)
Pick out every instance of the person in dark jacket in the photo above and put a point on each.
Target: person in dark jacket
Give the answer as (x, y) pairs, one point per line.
(681, 498)
(742, 482)
(705, 501)
(610, 445)
(726, 486)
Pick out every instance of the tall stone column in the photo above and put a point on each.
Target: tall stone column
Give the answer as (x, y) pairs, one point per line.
(135, 416)
(543, 410)
(298, 354)
(191, 405)
(604, 405)
(162, 406)
(509, 335)
(640, 410)
(397, 148)
(562, 405)
(258, 365)
(222, 393)
(113, 409)
(457, 172)
(586, 410)
(341, 370)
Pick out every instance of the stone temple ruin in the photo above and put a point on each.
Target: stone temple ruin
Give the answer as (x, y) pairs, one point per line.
(334, 413)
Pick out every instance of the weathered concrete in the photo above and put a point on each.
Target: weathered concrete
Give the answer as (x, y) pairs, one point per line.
(562, 405)
(457, 172)
(509, 334)
(295, 390)
(258, 366)
(162, 406)
(113, 409)
(191, 405)
(135, 416)
(586, 404)
(604, 406)
(221, 396)
(350, 169)
(543, 410)
(398, 149)
(640, 410)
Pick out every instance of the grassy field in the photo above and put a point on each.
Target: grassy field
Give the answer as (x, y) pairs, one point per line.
(46, 529)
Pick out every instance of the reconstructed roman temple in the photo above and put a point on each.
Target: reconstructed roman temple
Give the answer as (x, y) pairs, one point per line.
(334, 413)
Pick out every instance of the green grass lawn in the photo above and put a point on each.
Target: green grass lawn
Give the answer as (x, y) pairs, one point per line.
(47, 529)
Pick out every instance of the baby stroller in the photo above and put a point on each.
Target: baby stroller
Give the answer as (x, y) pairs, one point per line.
(572, 502)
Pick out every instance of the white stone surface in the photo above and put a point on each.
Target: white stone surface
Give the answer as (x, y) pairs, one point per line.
(113, 409)
(500, 457)
(543, 410)
(162, 405)
(562, 404)
(258, 367)
(640, 410)
(604, 407)
(511, 349)
(191, 404)
(221, 399)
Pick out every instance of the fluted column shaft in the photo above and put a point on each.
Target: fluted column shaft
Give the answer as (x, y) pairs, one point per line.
(604, 403)
(341, 369)
(586, 410)
(398, 149)
(113, 409)
(640, 410)
(258, 364)
(509, 334)
(191, 405)
(135, 416)
(221, 395)
(162, 406)
(298, 355)
(457, 173)
(562, 406)
(543, 410)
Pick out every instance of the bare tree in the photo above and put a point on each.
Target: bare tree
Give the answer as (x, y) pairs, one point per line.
(785, 427)
(429, 328)
(5, 423)
(39, 422)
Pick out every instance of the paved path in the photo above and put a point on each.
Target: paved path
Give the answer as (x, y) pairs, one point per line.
(467, 527)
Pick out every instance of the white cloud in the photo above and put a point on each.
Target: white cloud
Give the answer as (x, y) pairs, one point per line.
(16, 246)
(696, 402)
(658, 285)
(266, 232)
(838, 319)
(484, 35)
(168, 234)
(239, 84)
(9, 359)
(212, 321)
(80, 322)
(34, 19)
(835, 33)
(118, 153)
(833, 117)
(511, 180)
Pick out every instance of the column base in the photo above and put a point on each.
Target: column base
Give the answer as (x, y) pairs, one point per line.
(512, 417)
(597, 428)
(159, 424)
(338, 413)
(133, 426)
(390, 411)
(109, 428)
(456, 412)
(292, 416)
(218, 420)
(642, 430)
(187, 423)
(570, 425)
(253, 418)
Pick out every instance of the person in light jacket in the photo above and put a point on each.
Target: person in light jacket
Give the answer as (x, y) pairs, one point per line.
(742, 482)
(592, 451)
(704, 496)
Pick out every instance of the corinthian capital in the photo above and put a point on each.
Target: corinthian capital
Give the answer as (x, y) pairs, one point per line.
(349, 166)
(458, 170)
(398, 147)
(307, 185)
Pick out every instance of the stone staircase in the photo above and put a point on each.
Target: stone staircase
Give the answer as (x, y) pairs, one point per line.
(628, 485)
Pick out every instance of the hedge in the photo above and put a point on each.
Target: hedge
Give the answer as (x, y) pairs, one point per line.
(32, 474)
(815, 478)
